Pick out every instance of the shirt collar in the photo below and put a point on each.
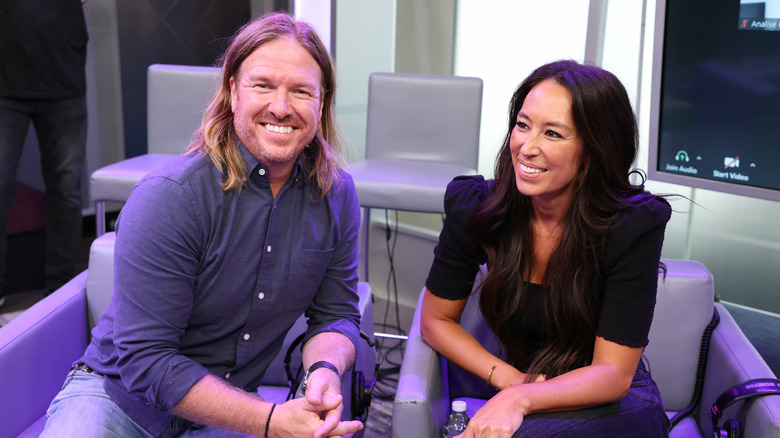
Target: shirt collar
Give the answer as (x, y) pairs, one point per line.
(253, 165)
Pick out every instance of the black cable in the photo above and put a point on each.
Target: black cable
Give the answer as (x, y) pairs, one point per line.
(391, 240)
(700, 370)
(292, 381)
(391, 235)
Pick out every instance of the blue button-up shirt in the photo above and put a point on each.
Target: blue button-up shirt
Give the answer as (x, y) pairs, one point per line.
(208, 281)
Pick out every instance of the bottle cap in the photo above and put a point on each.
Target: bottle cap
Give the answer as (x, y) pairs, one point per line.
(459, 406)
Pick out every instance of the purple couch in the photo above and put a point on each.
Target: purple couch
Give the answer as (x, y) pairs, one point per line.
(38, 348)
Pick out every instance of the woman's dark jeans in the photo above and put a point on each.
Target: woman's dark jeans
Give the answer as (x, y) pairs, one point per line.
(638, 414)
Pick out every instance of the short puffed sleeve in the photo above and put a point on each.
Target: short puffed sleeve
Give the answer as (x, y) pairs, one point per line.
(632, 253)
(455, 263)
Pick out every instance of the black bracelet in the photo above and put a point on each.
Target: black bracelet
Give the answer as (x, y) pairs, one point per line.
(268, 421)
(324, 364)
(315, 366)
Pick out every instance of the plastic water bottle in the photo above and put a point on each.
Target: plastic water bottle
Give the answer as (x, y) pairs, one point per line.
(457, 421)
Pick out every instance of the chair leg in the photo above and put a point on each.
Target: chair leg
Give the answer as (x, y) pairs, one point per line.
(100, 218)
(364, 249)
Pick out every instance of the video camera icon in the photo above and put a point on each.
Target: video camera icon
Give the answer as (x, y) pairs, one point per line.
(730, 162)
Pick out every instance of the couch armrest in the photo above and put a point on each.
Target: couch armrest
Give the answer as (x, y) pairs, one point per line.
(37, 349)
(421, 404)
(733, 360)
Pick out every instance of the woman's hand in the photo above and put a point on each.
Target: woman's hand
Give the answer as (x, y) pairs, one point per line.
(506, 375)
(500, 417)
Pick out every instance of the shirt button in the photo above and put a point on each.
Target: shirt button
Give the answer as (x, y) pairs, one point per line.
(246, 337)
(227, 375)
(268, 249)
(261, 296)
(261, 172)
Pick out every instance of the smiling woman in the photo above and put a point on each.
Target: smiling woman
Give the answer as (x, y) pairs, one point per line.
(572, 249)
(546, 150)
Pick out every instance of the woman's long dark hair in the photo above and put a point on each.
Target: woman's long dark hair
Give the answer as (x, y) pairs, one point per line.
(502, 227)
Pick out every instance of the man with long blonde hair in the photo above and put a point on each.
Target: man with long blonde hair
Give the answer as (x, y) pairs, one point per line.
(220, 251)
(217, 135)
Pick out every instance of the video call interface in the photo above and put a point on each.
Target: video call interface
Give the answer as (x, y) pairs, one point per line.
(759, 15)
(720, 102)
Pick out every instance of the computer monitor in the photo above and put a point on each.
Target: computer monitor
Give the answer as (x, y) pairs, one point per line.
(715, 105)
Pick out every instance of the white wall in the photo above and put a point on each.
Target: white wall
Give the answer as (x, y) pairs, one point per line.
(501, 42)
(365, 43)
(318, 14)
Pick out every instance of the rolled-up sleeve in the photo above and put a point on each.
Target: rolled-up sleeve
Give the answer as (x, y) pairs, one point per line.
(154, 271)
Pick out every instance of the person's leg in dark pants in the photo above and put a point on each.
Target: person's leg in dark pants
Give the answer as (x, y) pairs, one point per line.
(640, 414)
(61, 126)
(14, 123)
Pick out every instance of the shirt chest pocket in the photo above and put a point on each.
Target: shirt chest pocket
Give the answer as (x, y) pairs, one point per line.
(307, 269)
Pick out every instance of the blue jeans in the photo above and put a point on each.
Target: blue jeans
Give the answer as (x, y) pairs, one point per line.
(61, 128)
(83, 409)
(638, 414)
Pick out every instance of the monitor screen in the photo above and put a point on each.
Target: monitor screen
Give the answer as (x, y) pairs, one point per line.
(715, 106)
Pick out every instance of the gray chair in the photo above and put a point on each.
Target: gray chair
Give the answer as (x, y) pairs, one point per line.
(177, 95)
(684, 308)
(422, 131)
(38, 347)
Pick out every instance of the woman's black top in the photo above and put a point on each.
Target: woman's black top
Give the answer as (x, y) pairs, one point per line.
(631, 254)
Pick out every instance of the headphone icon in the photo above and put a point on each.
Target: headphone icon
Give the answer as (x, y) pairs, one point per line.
(682, 156)
(361, 388)
(751, 388)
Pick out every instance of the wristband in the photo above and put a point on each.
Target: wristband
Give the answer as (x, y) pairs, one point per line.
(315, 366)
